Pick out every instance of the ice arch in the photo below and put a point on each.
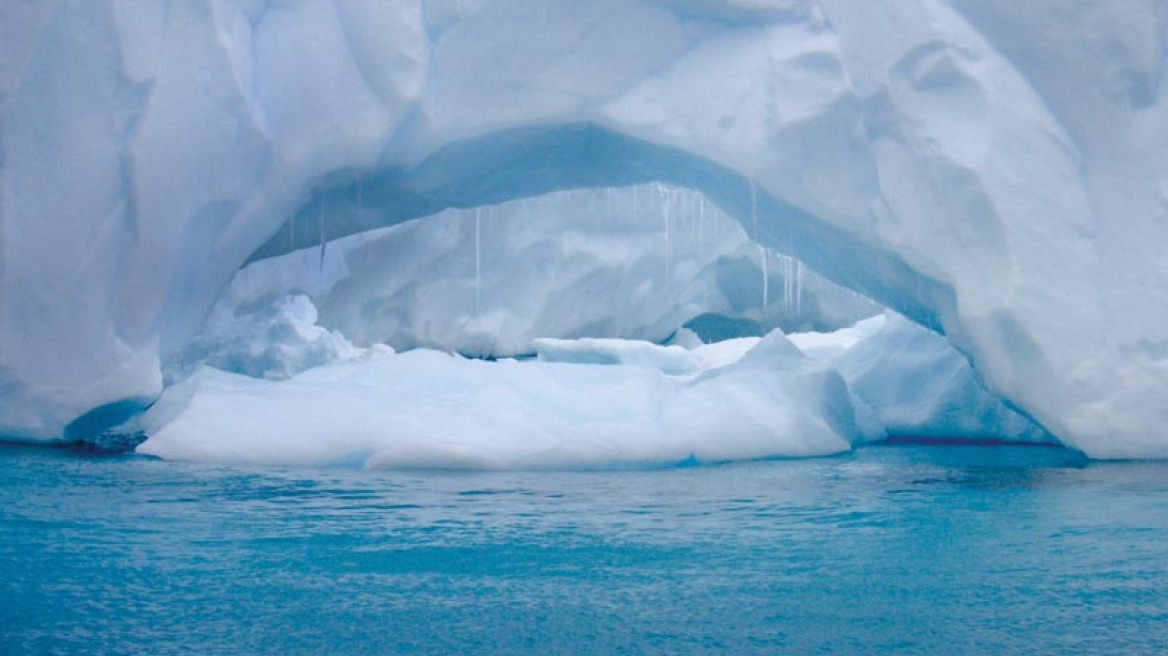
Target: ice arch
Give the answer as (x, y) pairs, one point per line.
(627, 262)
(950, 171)
(532, 161)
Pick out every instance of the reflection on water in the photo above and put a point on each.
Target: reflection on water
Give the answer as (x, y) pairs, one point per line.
(892, 549)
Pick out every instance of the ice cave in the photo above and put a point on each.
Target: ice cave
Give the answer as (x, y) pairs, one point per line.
(559, 234)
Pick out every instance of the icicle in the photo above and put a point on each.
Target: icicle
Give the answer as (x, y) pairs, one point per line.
(478, 259)
(766, 282)
(790, 283)
(754, 211)
(320, 222)
(799, 287)
(786, 282)
(691, 218)
(668, 237)
(701, 224)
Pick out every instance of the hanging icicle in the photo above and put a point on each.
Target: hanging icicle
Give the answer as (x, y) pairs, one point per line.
(766, 278)
(753, 211)
(664, 204)
(323, 242)
(478, 259)
(360, 192)
(701, 210)
(788, 284)
(798, 287)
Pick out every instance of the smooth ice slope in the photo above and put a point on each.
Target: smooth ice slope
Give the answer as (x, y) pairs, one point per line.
(429, 409)
(994, 169)
(630, 263)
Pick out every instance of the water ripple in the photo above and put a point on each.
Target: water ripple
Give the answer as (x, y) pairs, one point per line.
(905, 549)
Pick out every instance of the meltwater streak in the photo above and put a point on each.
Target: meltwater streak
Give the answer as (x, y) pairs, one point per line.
(905, 549)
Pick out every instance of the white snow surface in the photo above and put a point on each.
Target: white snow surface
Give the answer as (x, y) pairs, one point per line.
(994, 169)
(426, 409)
(672, 359)
(585, 403)
(827, 346)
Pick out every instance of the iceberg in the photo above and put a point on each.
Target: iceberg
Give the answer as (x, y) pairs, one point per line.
(991, 170)
(588, 402)
(426, 409)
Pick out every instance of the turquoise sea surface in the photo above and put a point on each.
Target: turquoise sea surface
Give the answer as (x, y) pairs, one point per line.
(906, 549)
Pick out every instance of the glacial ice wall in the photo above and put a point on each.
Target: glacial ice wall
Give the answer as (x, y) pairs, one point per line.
(992, 169)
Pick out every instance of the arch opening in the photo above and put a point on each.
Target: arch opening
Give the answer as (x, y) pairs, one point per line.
(524, 163)
(808, 406)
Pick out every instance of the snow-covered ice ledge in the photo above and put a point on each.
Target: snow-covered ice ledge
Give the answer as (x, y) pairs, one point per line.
(992, 168)
(581, 403)
(426, 409)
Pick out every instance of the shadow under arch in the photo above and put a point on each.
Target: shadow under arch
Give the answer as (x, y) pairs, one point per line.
(527, 162)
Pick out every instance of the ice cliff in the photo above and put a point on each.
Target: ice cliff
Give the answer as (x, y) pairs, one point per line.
(993, 170)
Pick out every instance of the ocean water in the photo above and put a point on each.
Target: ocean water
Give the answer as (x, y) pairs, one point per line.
(904, 549)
